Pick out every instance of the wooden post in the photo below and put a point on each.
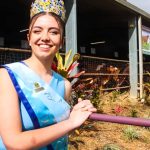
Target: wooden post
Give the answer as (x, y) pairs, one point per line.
(71, 28)
(140, 56)
(133, 65)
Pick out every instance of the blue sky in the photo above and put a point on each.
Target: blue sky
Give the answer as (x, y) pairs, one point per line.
(143, 4)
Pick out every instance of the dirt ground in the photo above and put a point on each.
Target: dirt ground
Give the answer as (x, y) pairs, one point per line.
(97, 135)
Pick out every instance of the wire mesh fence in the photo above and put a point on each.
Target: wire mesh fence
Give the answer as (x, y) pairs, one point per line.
(109, 74)
(9, 55)
(146, 71)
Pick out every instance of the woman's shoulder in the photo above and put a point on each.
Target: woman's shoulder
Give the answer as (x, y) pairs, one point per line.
(3, 72)
(4, 77)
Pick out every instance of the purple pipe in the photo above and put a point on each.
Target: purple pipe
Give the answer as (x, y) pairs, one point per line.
(121, 119)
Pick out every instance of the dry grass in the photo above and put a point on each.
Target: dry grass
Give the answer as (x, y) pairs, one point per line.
(94, 135)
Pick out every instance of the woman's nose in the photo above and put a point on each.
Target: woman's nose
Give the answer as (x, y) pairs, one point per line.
(45, 36)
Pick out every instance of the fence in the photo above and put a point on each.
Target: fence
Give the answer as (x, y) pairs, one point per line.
(110, 74)
(146, 69)
(9, 55)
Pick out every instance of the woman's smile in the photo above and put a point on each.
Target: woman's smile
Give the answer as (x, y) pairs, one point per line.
(44, 46)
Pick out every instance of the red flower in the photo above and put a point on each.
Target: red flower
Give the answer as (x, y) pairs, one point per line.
(118, 109)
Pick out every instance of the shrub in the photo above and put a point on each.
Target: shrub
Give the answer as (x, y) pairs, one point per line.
(111, 147)
(130, 133)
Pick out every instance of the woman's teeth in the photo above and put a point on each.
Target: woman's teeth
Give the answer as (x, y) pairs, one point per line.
(44, 46)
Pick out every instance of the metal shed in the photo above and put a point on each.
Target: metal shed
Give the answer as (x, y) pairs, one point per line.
(89, 21)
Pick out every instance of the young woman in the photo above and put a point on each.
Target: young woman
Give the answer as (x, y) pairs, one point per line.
(34, 109)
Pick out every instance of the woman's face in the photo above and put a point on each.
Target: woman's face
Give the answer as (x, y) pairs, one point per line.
(45, 37)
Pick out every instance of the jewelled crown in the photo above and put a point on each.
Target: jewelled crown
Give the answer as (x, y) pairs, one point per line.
(54, 6)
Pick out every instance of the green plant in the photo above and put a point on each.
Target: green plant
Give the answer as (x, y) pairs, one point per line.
(134, 113)
(131, 133)
(84, 88)
(87, 89)
(111, 147)
(67, 65)
(115, 95)
(146, 45)
(95, 97)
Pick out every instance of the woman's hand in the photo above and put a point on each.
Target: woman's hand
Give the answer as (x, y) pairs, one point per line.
(80, 112)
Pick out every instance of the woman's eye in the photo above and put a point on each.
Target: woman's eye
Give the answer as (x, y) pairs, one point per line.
(36, 31)
(54, 32)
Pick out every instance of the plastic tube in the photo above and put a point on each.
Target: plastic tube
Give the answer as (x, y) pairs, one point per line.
(120, 119)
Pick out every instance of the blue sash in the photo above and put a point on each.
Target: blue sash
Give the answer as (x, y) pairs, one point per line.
(42, 103)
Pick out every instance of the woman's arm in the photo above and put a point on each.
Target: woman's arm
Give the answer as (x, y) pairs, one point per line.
(68, 89)
(10, 124)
